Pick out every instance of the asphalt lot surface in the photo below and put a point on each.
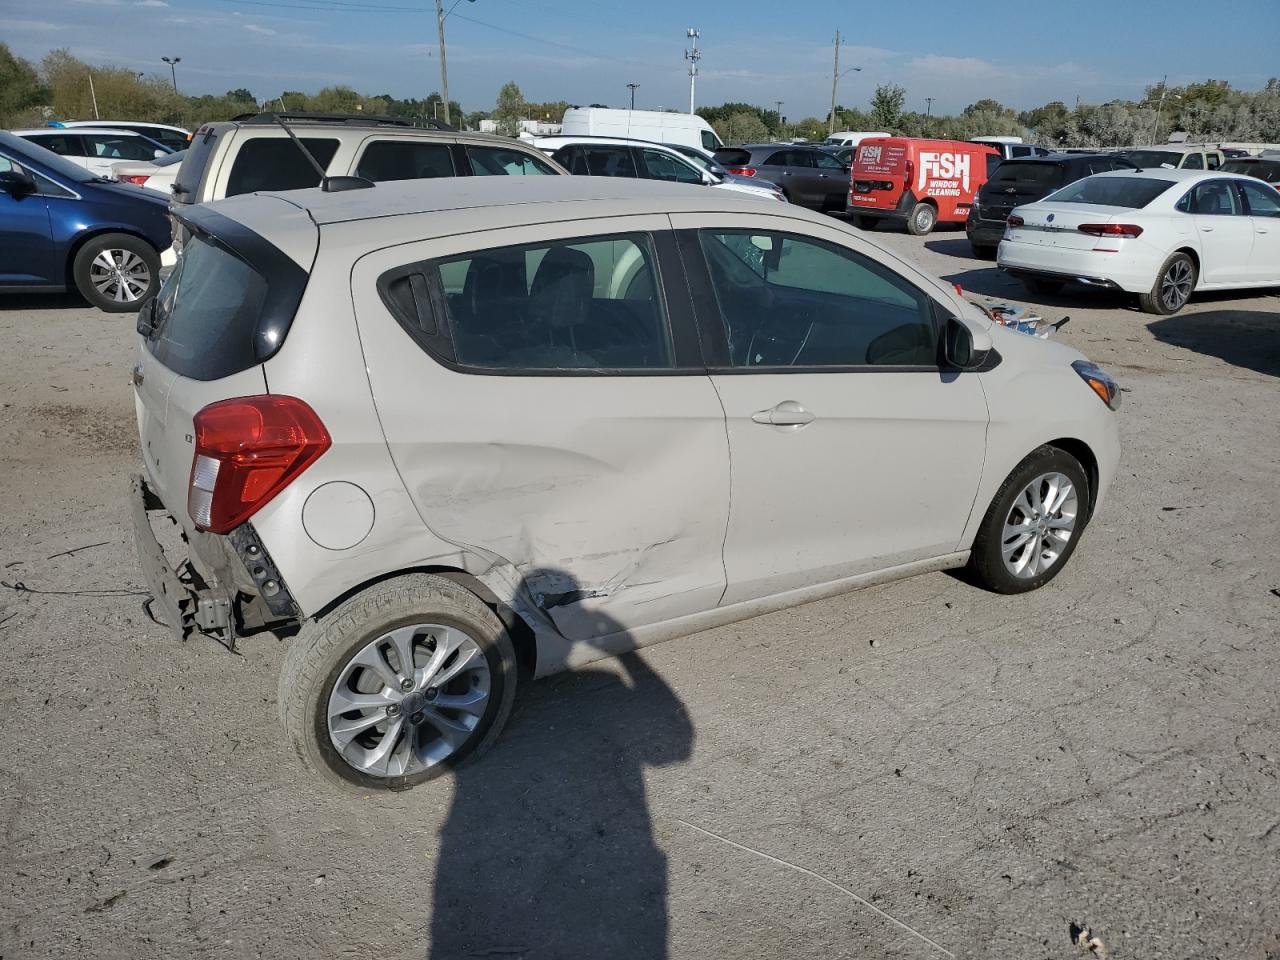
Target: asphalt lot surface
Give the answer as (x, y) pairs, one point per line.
(1104, 752)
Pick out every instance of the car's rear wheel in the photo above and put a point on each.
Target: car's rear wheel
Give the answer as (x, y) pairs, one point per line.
(1172, 289)
(868, 223)
(398, 684)
(117, 272)
(922, 220)
(1033, 524)
(1040, 285)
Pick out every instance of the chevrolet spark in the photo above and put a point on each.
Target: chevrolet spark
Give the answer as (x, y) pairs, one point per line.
(455, 435)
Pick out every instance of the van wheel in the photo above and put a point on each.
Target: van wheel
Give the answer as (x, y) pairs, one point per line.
(1047, 288)
(868, 223)
(398, 684)
(922, 220)
(1172, 289)
(117, 272)
(1033, 524)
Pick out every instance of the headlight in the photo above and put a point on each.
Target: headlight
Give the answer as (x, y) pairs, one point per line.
(1099, 381)
(977, 202)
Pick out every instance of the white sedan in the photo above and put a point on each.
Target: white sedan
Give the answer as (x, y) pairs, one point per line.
(1161, 234)
(95, 148)
(157, 174)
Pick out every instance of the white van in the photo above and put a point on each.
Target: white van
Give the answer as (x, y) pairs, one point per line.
(658, 126)
(850, 138)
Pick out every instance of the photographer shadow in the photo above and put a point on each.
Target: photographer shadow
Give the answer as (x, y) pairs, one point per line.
(548, 851)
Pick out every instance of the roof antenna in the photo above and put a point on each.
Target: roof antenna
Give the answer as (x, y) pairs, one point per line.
(327, 184)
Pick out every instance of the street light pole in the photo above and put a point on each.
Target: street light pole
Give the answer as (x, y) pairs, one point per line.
(835, 79)
(928, 111)
(173, 69)
(778, 104)
(632, 88)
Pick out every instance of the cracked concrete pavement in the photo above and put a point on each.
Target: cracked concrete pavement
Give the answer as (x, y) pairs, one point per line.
(1104, 752)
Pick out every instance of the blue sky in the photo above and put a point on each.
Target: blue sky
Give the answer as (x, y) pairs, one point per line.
(1021, 52)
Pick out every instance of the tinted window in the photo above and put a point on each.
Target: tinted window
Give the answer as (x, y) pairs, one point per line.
(825, 161)
(207, 312)
(1154, 158)
(166, 138)
(585, 304)
(1263, 201)
(109, 147)
(709, 140)
(601, 162)
(781, 158)
(993, 162)
(1268, 170)
(788, 301)
(24, 149)
(663, 166)
(276, 163)
(1048, 175)
(733, 157)
(404, 160)
(1135, 192)
(1217, 198)
(1211, 161)
(61, 144)
(187, 182)
(1193, 162)
(501, 161)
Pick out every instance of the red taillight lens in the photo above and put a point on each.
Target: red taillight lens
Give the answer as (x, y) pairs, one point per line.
(743, 171)
(1126, 230)
(138, 179)
(909, 175)
(247, 451)
(1015, 220)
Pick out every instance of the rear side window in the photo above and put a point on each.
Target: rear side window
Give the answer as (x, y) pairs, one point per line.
(503, 162)
(118, 148)
(569, 305)
(404, 160)
(187, 182)
(602, 162)
(781, 158)
(1263, 201)
(276, 163)
(663, 166)
(66, 146)
(1134, 193)
(207, 313)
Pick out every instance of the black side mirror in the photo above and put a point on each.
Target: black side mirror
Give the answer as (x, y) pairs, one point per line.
(147, 318)
(17, 183)
(958, 350)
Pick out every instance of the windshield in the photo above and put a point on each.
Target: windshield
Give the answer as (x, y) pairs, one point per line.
(26, 150)
(1268, 170)
(1154, 158)
(1028, 173)
(1132, 192)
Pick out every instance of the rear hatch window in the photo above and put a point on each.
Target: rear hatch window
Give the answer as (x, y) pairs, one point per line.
(1154, 158)
(1134, 193)
(1268, 170)
(1029, 174)
(186, 185)
(733, 157)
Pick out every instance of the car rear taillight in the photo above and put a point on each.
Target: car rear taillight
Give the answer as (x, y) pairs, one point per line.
(743, 171)
(247, 451)
(1126, 230)
(1014, 220)
(134, 178)
(909, 174)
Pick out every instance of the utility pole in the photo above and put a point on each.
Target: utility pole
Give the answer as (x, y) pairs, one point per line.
(632, 88)
(835, 79)
(173, 69)
(94, 97)
(444, 68)
(1164, 89)
(928, 108)
(693, 56)
(781, 127)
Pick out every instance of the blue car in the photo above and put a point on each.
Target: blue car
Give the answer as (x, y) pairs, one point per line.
(63, 227)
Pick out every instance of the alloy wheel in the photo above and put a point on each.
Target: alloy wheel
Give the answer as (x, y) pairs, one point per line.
(408, 700)
(1039, 525)
(120, 275)
(1175, 285)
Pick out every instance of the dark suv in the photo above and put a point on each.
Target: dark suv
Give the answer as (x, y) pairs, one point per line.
(1266, 167)
(1017, 182)
(808, 176)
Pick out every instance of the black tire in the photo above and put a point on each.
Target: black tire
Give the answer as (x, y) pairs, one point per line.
(104, 290)
(868, 223)
(1040, 285)
(986, 562)
(1180, 272)
(982, 252)
(924, 217)
(322, 649)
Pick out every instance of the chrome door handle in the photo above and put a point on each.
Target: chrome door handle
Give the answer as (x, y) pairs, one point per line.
(1207, 229)
(1262, 229)
(788, 413)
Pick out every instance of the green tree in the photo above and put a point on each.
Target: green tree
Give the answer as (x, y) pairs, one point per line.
(241, 94)
(745, 126)
(509, 109)
(886, 107)
(21, 92)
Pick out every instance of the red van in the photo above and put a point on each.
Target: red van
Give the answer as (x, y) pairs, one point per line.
(920, 182)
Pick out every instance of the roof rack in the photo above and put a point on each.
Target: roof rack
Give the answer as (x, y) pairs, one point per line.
(354, 119)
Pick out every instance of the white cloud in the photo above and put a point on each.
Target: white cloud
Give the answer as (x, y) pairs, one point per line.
(33, 25)
(151, 3)
(254, 28)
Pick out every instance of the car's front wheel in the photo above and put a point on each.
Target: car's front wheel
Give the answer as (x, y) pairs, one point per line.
(1033, 524)
(1172, 289)
(399, 684)
(117, 272)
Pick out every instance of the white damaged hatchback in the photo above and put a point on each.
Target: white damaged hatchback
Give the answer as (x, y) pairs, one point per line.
(460, 434)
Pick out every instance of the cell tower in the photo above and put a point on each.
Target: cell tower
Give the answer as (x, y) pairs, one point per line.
(693, 56)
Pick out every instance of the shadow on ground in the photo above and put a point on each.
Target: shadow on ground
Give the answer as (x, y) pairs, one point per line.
(548, 849)
(1243, 338)
(43, 301)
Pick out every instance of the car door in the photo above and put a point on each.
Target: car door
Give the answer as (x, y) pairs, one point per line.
(778, 168)
(544, 400)
(26, 237)
(851, 450)
(1225, 232)
(67, 145)
(833, 178)
(1263, 204)
(658, 165)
